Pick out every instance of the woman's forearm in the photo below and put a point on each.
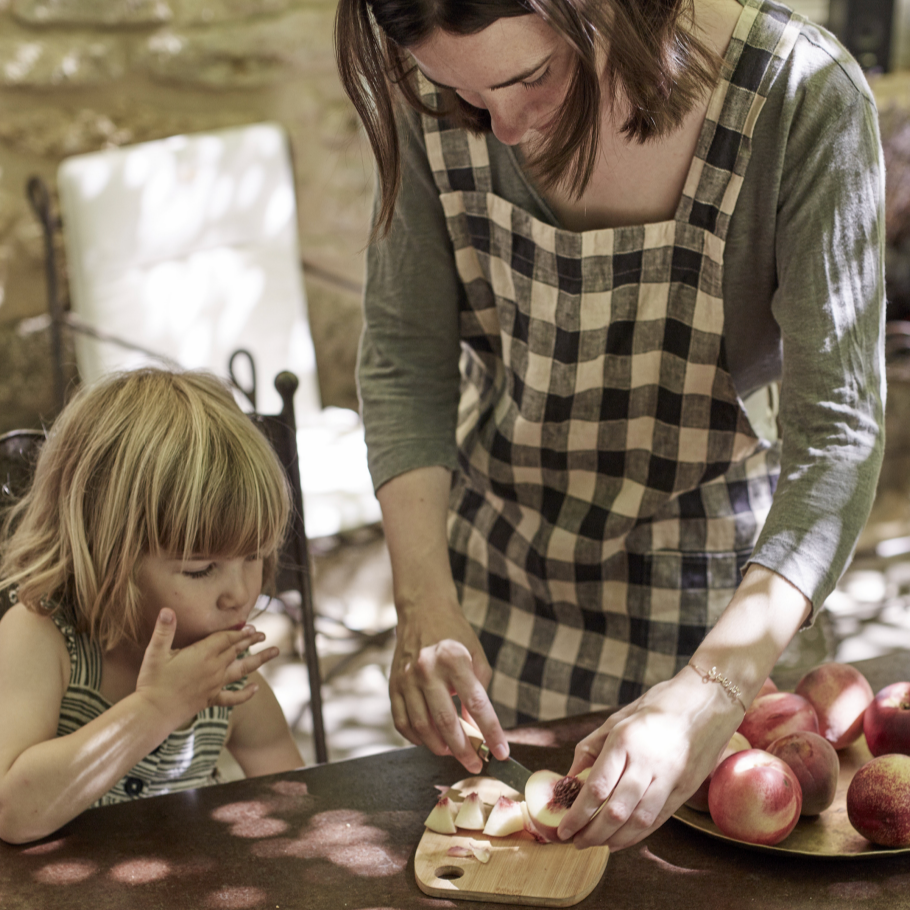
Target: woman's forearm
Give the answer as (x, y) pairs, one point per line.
(51, 782)
(414, 510)
(761, 619)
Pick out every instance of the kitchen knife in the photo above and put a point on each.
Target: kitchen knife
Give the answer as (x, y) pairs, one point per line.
(509, 771)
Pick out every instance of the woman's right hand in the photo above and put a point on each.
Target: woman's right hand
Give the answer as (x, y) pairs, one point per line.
(181, 683)
(437, 655)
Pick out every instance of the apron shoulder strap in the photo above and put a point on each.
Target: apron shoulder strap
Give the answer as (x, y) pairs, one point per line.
(760, 47)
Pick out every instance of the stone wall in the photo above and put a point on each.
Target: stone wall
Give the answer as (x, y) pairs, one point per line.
(81, 75)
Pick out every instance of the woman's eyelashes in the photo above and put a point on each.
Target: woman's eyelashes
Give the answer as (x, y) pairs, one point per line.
(534, 83)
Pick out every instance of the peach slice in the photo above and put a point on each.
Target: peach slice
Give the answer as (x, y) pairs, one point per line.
(487, 788)
(479, 849)
(549, 797)
(470, 815)
(442, 817)
(505, 818)
(459, 850)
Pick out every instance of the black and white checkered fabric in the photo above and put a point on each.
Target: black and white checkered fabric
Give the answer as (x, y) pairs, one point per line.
(612, 486)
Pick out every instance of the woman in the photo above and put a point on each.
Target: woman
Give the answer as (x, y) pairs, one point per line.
(622, 217)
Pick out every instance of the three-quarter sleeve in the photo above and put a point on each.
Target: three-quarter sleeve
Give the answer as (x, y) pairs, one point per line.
(408, 374)
(829, 305)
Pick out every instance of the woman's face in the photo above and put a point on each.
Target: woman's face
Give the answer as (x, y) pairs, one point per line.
(518, 69)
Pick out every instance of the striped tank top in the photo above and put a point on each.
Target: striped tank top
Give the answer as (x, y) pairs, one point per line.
(185, 760)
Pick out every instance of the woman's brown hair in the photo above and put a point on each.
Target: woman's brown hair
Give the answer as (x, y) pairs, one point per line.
(656, 70)
(145, 462)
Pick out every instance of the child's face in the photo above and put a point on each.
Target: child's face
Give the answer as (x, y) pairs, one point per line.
(207, 594)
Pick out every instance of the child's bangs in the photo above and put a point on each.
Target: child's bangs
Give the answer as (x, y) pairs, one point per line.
(229, 499)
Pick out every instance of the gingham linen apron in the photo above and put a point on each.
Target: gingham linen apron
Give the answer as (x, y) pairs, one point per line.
(611, 484)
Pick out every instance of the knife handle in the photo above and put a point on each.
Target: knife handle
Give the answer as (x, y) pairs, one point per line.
(475, 738)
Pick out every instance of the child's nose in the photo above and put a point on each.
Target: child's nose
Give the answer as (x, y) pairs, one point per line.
(237, 587)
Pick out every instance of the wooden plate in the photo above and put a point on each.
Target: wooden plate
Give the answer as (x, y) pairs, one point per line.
(826, 835)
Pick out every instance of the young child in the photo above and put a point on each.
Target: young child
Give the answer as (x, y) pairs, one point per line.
(155, 516)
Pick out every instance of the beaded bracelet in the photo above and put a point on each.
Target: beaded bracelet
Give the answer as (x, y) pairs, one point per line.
(726, 684)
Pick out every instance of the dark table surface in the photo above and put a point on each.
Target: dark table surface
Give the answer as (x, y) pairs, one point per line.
(343, 835)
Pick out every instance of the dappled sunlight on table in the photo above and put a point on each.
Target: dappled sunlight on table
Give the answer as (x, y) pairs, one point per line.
(44, 847)
(68, 872)
(669, 867)
(235, 898)
(341, 837)
(140, 871)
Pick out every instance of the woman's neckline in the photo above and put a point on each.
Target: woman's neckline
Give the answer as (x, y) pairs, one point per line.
(515, 158)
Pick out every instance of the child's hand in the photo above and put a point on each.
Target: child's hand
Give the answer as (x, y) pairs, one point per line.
(183, 682)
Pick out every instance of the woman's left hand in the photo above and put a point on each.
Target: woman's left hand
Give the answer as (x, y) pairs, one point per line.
(647, 760)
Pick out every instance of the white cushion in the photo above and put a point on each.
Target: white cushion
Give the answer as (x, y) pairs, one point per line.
(187, 248)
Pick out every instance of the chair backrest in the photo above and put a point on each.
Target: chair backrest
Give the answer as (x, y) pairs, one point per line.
(294, 565)
(18, 452)
(187, 248)
(182, 250)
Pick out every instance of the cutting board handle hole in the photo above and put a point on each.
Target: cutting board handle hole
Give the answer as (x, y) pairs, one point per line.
(449, 872)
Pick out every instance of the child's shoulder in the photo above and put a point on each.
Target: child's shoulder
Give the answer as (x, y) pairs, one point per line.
(32, 636)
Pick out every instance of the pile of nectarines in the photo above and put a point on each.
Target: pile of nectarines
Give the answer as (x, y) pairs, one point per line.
(782, 762)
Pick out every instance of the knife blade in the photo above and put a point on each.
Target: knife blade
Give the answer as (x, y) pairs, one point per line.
(509, 771)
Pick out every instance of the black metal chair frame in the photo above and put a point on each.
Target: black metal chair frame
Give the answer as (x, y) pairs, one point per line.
(295, 566)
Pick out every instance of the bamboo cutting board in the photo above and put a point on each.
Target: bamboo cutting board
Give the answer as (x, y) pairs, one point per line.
(520, 872)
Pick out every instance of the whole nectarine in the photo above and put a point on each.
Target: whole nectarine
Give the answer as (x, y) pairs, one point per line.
(839, 693)
(755, 797)
(775, 715)
(886, 721)
(878, 800)
(699, 799)
(815, 763)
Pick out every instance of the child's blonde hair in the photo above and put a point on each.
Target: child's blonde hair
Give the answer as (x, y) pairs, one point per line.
(146, 462)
